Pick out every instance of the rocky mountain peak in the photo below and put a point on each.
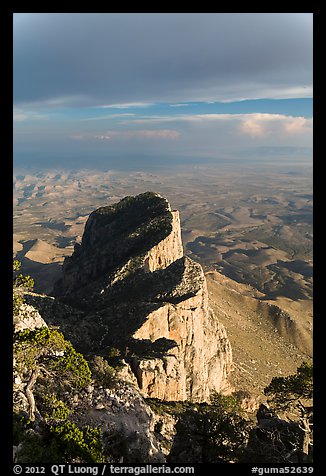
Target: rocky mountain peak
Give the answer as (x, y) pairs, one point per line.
(136, 291)
(137, 232)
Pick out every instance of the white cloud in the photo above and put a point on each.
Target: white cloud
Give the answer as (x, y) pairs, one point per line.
(163, 133)
(20, 115)
(296, 124)
(142, 133)
(260, 125)
(205, 118)
(146, 133)
(109, 116)
(254, 125)
(286, 93)
(260, 92)
(103, 137)
(253, 128)
(55, 102)
(125, 105)
(179, 105)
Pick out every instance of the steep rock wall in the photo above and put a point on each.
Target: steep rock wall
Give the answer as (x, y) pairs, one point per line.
(167, 250)
(139, 293)
(201, 360)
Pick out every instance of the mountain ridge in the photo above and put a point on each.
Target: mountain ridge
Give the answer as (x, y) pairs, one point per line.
(147, 299)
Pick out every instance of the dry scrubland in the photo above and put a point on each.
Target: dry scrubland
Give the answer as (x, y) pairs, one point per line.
(251, 231)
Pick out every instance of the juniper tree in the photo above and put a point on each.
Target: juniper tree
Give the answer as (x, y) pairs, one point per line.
(292, 396)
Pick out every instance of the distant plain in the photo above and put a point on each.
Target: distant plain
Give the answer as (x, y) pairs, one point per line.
(250, 224)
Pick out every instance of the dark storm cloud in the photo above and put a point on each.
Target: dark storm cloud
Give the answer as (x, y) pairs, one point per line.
(91, 59)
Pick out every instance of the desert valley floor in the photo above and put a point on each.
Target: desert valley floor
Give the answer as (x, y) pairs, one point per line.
(251, 230)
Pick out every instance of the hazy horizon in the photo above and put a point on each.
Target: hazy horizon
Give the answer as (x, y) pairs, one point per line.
(146, 91)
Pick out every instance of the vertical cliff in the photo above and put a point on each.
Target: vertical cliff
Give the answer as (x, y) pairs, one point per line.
(142, 296)
(201, 359)
(167, 250)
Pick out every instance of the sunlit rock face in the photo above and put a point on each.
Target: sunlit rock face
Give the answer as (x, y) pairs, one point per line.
(137, 292)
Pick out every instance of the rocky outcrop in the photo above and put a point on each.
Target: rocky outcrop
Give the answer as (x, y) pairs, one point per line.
(28, 317)
(166, 251)
(201, 359)
(138, 293)
(137, 232)
(126, 421)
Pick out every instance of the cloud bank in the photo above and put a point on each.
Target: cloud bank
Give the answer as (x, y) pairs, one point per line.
(111, 60)
(145, 134)
(107, 85)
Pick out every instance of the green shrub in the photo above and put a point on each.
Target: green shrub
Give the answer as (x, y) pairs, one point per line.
(19, 281)
(84, 444)
(71, 368)
(285, 392)
(103, 373)
(52, 408)
(48, 351)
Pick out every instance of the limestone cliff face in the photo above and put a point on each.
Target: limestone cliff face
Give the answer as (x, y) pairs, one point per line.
(139, 294)
(201, 359)
(167, 250)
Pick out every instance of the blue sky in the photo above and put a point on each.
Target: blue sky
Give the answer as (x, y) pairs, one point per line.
(102, 86)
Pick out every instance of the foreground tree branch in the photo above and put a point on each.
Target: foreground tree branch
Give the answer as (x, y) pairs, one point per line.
(30, 395)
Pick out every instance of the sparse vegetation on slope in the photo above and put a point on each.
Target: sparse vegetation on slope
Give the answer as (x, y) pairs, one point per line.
(19, 281)
(69, 409)
(206, 433)
(48, 370)
(285, 428)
